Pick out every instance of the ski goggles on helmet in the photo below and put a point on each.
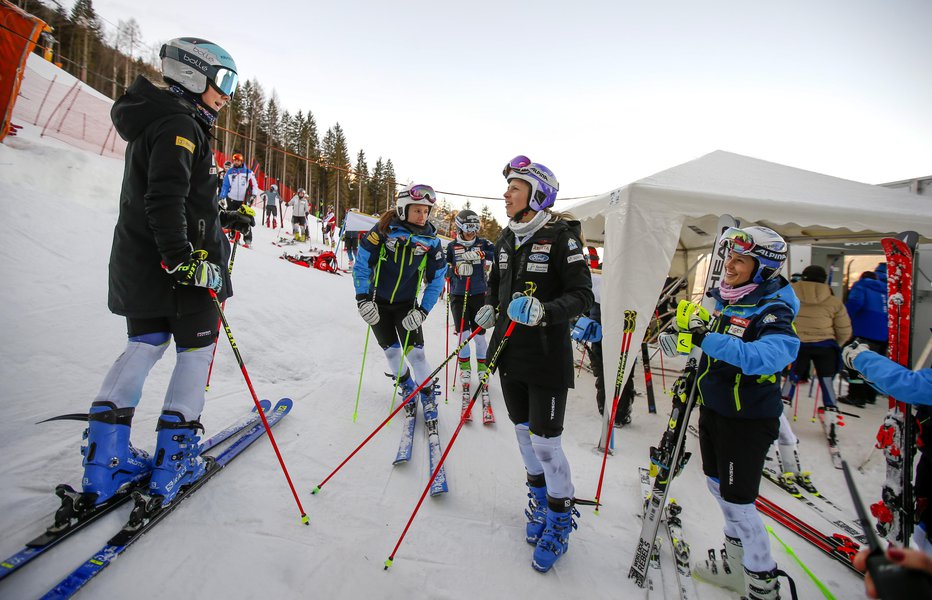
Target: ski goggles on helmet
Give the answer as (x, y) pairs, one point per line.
(224, 80)
(519, 163)
(419, 193)
(737, 240)
(468, 227)
(742, 242)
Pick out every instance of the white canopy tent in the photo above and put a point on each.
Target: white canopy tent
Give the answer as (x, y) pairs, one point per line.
(672, 215)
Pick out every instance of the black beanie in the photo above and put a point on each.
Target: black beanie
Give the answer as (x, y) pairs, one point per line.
(815, 273)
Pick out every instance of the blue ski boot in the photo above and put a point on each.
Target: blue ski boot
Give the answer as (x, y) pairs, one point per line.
(110, 461)
(429, 402)
(177, 459)
(555, 540)
(536, 511)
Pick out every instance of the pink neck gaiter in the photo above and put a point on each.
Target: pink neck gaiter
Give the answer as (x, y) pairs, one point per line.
(731, 294)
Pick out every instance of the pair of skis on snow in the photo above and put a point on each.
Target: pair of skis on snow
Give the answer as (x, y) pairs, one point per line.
(434, 448)
(488, 416)
(66, 523)
(680, 548)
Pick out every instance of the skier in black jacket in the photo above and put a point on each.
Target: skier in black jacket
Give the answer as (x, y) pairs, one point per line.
(539, 258)
(168, 255)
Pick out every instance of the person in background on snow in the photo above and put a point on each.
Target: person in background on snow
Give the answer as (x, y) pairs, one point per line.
(271, 199)
(221, 175)
(467, 256)
(539, 280)
(239, 188)
(351, 244)
(867, 307)
(168, 255)
(743, 350)
(395, 257)
(327, 224)
(911, 387)
(299, 216)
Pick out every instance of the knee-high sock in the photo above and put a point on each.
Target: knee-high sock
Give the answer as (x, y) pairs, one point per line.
(786, 436)
(123, 383)
(418, 361)
(482, 346)
(743, 522)
(464, 351)
(556, 468)
(394, 357)
(531, 464)
(185, 392)
(786, 442)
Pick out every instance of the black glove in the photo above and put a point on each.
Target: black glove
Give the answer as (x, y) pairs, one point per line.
(238, 220)
(197, 271)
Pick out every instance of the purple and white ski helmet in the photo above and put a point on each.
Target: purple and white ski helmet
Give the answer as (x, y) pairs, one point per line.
(544, 184)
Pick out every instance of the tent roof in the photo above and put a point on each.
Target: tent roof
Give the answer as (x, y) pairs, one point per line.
(797, 203)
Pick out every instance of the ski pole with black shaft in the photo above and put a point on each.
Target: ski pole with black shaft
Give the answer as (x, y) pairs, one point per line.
(648, 379)
(213, 355)
(255, 399)
(413, 394)
(627, 332)
(462, 323)
(663, 377)
(488, 373)
(890, 580)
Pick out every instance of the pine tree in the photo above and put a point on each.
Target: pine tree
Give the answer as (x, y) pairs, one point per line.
(489, 227)
(359, 187)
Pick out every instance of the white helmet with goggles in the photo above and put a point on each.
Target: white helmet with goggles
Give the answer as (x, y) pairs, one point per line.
(414, 194)
(762, 244)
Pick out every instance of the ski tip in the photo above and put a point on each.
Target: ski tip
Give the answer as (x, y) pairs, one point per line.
(305, 520)
(388, 562)
(316, 490)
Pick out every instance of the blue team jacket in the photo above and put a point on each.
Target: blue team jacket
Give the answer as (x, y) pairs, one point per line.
(867, 307)
(477, 284)
(401, 253)
(752, 341)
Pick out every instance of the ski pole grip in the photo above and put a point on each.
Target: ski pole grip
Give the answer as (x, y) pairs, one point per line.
(895, 582)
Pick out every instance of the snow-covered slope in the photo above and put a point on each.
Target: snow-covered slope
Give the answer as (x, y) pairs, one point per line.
(301, 337)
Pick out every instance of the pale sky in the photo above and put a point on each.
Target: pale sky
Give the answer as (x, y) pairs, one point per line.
(603, 93)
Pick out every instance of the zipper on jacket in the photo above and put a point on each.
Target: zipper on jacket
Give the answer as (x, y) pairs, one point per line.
(400, 270)
(737, 395)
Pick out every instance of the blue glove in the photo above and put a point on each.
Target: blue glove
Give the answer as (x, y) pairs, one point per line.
(526, 310)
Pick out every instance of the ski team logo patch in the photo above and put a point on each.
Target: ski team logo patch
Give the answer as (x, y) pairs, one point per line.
(771, 318)
(184, 143)
(572, 244)
(536, 268)
(373, 238)
(540, 248)
(574, 258)
(740, 322)
(538, 258)
(503, 261)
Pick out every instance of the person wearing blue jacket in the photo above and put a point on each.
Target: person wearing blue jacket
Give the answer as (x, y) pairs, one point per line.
(867, 307)
(911, 387)
(395, 257)
(744, 350)
(467, 257)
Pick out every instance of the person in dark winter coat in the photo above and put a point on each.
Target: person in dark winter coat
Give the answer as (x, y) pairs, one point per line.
(743, 351)
(538, 258)
(169, 257)
(867, 307)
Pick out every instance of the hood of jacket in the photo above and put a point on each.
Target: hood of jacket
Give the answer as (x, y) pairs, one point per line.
(811, 292)
(874, 285)
(144, 103)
